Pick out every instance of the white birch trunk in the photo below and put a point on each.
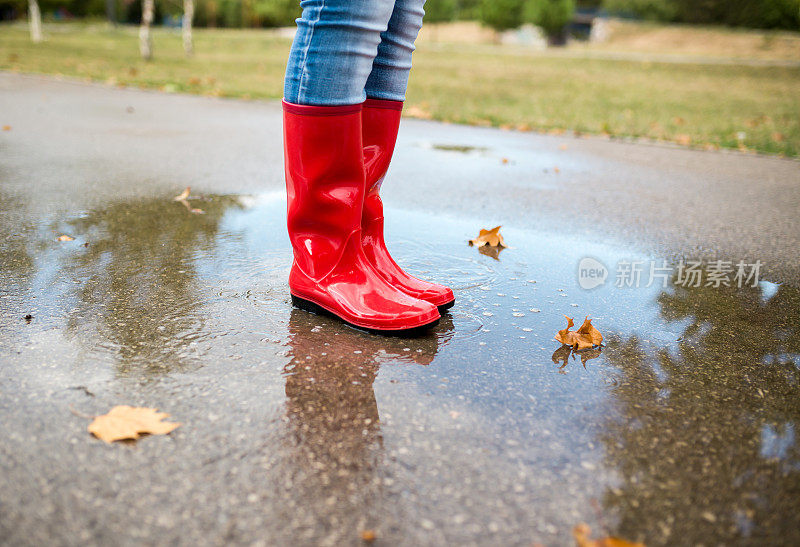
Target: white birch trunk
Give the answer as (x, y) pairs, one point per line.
(35, 21)
(186, 27)
(111, 12)
(145, 39)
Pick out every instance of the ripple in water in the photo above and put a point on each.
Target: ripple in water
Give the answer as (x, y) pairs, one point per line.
(465, 325)
(459, 272)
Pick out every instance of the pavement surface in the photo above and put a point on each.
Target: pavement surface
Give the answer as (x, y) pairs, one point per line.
(299, 430)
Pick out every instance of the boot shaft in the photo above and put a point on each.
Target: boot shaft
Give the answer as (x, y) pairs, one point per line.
(325, 182)
(380, 122)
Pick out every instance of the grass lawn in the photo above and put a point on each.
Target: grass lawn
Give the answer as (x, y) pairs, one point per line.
(731, 106)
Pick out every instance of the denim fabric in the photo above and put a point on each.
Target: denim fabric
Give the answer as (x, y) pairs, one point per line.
(389, 77)
(346, 50)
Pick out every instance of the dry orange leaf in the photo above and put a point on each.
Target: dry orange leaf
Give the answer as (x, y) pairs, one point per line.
(183, 195)
(585, 337)
(582, 534)
(368, 536)
(65, 237)
(128, 422)
(184, 199)
(488, 237)
(6, 128)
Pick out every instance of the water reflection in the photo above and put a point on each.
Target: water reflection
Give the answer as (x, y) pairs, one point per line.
(705, 440)
(492, 252)
(334, 428)
(563, 353)
(17, 262)
(138, 297)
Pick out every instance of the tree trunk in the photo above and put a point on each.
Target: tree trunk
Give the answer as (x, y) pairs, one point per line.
(35, 20)
(145, 39)
(111, 12)
(186, 27)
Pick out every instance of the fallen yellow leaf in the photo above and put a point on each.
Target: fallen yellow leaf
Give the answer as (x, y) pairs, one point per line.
(6, 128)
(368, 536)
(65, 237)
(582, 532)
(588, 331)
(128, 422)
(585, 337)
(184, 199)
(488, 237)
(183, 195)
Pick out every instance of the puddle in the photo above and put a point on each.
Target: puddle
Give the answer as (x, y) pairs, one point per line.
(681, 429)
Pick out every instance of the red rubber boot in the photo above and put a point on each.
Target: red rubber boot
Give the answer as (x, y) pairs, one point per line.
(325, 189)
(380, 122)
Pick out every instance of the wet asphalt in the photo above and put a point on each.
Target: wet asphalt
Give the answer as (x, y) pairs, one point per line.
(682, 430)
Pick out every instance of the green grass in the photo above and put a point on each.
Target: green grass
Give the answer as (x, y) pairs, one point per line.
(710, 106)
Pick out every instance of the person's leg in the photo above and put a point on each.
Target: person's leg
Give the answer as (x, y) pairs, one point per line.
(386, 88)
(389, 76)
(333, 50)
(330, 61)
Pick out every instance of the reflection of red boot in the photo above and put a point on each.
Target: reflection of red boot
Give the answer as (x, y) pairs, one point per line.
(381, 120)
(325, 193)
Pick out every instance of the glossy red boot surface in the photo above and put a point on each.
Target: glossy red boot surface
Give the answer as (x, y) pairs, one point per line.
(380, 122)
(325, 187)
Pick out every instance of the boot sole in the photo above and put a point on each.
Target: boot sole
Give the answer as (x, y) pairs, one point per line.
(309, 306)
(444, 307)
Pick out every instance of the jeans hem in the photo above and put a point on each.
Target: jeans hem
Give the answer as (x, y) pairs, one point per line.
(316, 110)
(388, 104)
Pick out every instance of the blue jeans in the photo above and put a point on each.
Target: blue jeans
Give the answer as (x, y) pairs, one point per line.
(347, 50)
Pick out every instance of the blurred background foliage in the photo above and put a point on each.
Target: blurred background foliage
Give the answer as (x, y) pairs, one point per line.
(554, 14)
(208, 13)
(551, 15)
(676, 71)
(783, 14)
